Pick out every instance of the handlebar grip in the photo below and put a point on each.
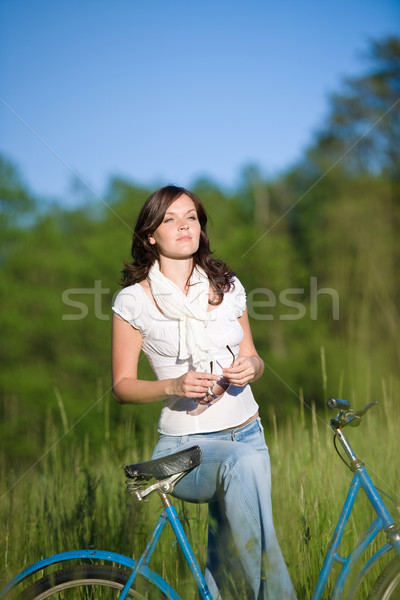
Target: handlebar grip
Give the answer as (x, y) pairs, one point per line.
(336, 403)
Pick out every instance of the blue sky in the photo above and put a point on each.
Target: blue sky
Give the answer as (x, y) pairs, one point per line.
(166, 91)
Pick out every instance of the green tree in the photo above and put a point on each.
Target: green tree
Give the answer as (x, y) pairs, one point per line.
(363, 128)
(17, 206)
(345, 215)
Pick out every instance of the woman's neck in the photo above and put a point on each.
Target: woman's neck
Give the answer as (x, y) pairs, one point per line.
(178, 271)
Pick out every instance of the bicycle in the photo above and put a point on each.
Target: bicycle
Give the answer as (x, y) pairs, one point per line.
(134, 579)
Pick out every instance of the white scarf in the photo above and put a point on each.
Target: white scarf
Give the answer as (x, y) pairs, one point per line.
(190, 311)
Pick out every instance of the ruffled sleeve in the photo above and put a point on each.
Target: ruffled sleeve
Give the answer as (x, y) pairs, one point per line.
(239, 298)
(129, 305)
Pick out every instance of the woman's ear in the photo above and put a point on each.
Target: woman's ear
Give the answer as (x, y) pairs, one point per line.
(151, 240)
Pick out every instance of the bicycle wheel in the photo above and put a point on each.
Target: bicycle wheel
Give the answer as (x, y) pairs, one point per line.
(86, 582)
(387, 585)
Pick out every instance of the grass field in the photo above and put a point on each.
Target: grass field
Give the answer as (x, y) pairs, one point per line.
(76, 498)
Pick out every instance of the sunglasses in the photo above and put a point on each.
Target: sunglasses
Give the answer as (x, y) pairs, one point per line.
(219, 388)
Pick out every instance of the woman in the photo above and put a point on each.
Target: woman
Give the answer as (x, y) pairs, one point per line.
(187, 312)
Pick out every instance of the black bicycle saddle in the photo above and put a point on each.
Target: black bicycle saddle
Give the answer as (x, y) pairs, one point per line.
(161, 468)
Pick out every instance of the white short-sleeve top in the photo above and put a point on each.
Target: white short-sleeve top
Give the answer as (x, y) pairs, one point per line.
(183, 416)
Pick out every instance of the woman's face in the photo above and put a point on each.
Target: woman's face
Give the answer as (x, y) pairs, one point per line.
(178, 235)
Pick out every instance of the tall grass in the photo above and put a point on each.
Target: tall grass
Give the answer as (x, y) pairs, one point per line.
(75, 497)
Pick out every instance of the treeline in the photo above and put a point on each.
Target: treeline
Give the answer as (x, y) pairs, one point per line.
(317, 249)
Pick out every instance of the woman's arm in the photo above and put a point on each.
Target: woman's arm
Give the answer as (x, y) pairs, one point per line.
(248, 366)
(127, 388)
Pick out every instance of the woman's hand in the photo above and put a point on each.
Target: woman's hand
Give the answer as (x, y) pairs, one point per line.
(193, 384)
(244, 369)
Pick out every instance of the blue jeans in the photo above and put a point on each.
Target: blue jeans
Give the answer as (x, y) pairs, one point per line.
(234, 477)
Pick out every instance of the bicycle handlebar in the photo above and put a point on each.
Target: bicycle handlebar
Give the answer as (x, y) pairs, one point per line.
(336, 403)
(349, 416)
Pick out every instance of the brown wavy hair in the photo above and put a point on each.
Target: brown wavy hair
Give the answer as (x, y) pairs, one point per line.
(144, 254)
